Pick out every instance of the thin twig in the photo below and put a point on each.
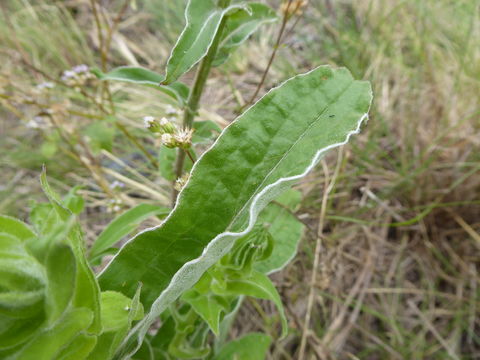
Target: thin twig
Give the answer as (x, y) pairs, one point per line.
(286, 17)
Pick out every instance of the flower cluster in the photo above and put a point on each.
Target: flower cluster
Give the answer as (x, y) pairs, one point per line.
(171, 136)
(114, 205)
(77, 76)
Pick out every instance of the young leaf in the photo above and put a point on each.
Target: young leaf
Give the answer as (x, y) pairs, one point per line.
(116, 311)
(87, 291)
(123, 225)
(256, 285)
(16, 228)
(137, 75)
(286, 231)
(61, 272)
(240, 26)
(252, 346)
(203, 18)
(275, 143)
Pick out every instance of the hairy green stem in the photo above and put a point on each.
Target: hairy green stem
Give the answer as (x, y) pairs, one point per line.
(196, 94)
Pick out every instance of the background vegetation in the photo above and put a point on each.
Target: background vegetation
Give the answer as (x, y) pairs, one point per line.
(394, 218)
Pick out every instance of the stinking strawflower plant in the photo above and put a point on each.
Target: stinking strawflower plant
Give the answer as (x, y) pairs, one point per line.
(188, 276)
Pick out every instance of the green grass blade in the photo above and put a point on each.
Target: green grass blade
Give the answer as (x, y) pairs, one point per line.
(123, 225)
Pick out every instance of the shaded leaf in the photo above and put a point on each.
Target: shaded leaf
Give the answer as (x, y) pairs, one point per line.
(240, 26)
(286, 231)
(142, 76)
(47, 344)
(257, 285)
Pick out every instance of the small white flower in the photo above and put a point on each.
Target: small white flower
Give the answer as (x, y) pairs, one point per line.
(168, 140)
(32, 124)
(45, 85)
(184, 138)
(81, 69)
(148, 121)
(117, 185)
(68, 75)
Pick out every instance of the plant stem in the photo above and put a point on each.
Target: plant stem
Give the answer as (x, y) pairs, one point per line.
(196, 93)
(286, 17)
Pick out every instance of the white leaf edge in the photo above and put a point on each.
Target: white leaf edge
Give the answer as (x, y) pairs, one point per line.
(192, 270)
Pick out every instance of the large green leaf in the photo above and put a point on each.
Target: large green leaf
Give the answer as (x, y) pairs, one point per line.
(142, 76)
(240, 26)
(272, 145)
(203, 18)
(124, 225)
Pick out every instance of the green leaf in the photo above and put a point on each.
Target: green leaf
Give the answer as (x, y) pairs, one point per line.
(240, 26)
(22, 280)
(61, 272)
(49, 343)
(205, 131)
(252, 346)
(14, 332)
(16, 228)
(256, 285)
(203, 18)
(116, 311)
(271, 146)
(207, 304)
(79, 348)
(141, 76)
(73, 201)
(87, 291)
(286, 231)
(124, 225)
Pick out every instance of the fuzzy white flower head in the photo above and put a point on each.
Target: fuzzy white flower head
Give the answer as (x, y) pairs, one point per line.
(168, 140)
(164, 121)
(148, 121)
(184, 138)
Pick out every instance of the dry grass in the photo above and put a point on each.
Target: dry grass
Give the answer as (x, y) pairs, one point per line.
(397, 276)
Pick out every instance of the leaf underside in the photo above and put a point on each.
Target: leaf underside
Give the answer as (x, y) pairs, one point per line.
(273, 144)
